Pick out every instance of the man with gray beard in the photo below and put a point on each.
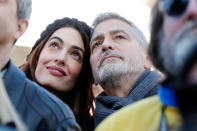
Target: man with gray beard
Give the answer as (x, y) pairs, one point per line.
(120, 64)
(173, 49)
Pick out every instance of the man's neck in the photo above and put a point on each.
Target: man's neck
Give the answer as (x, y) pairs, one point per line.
(119, 87)
(5, 50)
(121, 91)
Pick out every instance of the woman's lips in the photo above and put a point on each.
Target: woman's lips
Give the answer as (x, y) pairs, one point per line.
(56, 71)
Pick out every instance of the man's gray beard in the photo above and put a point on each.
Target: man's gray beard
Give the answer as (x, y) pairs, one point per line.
(176, 52)
(115, 72)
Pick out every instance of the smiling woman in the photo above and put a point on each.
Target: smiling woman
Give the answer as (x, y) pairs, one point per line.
(59, 61)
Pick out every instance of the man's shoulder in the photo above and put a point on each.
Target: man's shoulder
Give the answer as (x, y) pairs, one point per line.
(133, 116)
(7, 128)
(37, 106)
(52, 110)
(42, 100)
(37, 96)
(138, 107)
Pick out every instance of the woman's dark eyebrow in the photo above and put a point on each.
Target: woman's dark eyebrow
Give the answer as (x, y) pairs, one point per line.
(78, 48)
(58, 38)
(73, 46)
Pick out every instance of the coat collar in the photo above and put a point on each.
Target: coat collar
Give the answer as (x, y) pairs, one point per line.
(14, 81)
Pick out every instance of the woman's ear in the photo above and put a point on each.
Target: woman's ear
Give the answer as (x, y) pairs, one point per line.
(21, 28)
(147, 63)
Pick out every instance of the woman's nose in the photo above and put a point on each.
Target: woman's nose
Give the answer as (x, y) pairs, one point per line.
(60, 59)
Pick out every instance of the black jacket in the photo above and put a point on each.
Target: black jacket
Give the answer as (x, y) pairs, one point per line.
(145, 86)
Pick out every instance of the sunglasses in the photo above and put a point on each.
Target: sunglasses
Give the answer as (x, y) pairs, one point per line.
(173, 8)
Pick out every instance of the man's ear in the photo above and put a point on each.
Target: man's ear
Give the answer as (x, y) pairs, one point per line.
(95, 82)
(147, 63)
(22, 26)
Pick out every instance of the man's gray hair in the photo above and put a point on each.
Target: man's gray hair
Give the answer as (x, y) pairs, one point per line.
(24, 8)
(110, 15)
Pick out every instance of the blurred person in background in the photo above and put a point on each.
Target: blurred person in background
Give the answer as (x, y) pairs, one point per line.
(59, 62)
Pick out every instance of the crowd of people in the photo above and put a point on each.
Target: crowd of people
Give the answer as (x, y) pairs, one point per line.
(147, 86)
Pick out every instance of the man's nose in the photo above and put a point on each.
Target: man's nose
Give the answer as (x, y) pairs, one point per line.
(192, 10)
(107, 45)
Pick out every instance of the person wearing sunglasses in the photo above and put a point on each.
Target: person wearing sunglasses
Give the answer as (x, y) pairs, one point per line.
(173, 50)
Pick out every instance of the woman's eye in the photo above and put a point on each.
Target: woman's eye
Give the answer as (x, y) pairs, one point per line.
(54, 45)
(76, 55)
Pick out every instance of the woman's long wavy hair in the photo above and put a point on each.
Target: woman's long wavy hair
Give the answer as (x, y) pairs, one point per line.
(80, 98)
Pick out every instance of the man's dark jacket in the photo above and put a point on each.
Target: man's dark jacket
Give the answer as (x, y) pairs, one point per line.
(145, 86)
(39, 109)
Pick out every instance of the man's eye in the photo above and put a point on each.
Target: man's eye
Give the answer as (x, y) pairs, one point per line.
(120, 37)
(96, 44)
(54, 45)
